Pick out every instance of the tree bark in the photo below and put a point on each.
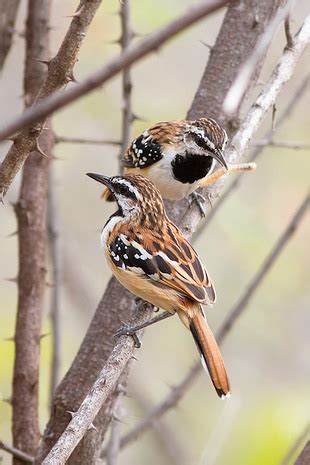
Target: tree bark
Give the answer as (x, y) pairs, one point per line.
(8, 13)
(31, 218)
(116, 302)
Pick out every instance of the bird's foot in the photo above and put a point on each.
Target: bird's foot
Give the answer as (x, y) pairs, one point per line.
(128, 330)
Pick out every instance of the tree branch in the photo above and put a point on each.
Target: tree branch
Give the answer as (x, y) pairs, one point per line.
(127, 116)
(304, 457)
(296, 446)
(18, 454)
(178, 391)
(56, 79)
(60, 72)
(78, 140)
(102, 388)
(9, 10)
(55, 254)
(31, 217)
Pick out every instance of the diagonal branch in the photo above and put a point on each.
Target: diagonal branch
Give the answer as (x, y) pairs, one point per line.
(178, 391)
(60, 72)
(18, 454)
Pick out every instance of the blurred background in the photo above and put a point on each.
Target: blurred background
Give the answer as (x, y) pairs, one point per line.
(267, 352)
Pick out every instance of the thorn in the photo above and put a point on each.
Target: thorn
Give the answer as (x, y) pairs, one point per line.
(71, 413)
(83, 34)
(273, 121)
(71, 78)
(137, 118)
(7, 400)
(9, 339)
(44, 335)
(45, 62)
(12, 234)
(92, 426)
(115, 42)
(134, 358)
(38, 149)
(11, 280)
(77, 14)
(210, 47)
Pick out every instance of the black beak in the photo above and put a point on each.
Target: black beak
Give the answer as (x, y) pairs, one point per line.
(218, 155)
(101, 178)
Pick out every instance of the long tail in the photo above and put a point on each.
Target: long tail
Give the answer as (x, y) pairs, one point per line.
(211, 357)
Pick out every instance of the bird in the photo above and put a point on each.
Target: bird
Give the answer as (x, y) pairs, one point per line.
(177, 156)
(150, 257)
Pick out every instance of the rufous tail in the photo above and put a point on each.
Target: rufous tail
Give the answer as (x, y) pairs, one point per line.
(211, 357)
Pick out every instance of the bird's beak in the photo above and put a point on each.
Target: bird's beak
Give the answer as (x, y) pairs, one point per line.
(101, 178)
(218, 155)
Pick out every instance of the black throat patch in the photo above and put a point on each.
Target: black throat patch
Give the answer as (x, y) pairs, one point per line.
(191, 167)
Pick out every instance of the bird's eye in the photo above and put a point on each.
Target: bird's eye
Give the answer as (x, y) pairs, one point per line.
(200, 140)
(123, 189)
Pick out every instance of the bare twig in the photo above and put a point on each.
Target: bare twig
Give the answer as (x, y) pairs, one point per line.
(59, 73)
(101, 389)
(301, 90)
(178, 391)
(43, 108)
(127, 116)
(78, 140)
(26, 458)
(282, 145)
(8, 13)
(115, 437)
(54, 246)
(239, 86)
(291, 453)
(31, 217)
(304, 457)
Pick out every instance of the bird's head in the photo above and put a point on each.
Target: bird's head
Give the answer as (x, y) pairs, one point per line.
(136, 196)
(205, 136)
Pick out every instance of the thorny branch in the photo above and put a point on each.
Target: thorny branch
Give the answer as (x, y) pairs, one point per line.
(304, 457)
(105, 383)
(46, 103)
(178, 391)
(31, 219)
(282, 145)
(60, 72)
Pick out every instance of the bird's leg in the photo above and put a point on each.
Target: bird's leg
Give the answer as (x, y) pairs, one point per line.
(199, 200)
(128, 330)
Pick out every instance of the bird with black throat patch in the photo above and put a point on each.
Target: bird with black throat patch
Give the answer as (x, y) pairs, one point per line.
(150, 256)
(179, 157)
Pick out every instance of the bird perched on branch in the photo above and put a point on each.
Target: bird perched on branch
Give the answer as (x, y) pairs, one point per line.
(179, 157)
(151, 258)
